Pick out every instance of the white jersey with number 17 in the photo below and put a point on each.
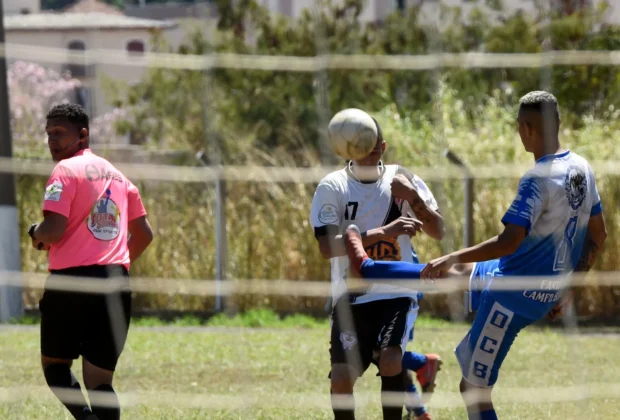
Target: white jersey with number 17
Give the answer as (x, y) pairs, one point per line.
(341, 200)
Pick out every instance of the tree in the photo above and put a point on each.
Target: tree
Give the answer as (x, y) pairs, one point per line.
(280, 113)
(33, 91)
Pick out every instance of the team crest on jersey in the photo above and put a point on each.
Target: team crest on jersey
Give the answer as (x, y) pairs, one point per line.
(348, 339)
(576, 186)
(328, 215)
(104, 219)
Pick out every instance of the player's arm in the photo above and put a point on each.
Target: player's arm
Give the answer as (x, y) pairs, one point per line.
(141, 235)
(51, 229)
(327, 214)
(59, 193)
(332, 245)
(411, 188)
(525, 209)
(499, 246)
(593, 243)
(140, 231)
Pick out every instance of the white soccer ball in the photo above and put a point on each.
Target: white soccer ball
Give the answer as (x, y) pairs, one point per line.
(352, 134)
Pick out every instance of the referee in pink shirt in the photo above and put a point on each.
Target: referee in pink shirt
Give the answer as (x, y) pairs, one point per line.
(94, 225)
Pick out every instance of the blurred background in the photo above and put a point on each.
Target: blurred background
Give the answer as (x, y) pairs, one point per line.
(186, 106)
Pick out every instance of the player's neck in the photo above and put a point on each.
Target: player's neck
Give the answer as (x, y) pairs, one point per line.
(366, 173)
(548, 148)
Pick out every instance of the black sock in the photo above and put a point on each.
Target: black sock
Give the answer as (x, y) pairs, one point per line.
(60, 379)
(340, 413)
(392, 385)
(109, 408)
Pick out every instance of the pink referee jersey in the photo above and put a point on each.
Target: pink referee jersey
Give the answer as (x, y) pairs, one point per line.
(98, 202)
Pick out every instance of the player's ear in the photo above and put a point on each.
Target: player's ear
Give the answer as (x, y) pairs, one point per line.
(383, 146)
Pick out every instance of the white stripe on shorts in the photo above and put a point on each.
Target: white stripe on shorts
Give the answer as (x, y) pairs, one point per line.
(488, 344)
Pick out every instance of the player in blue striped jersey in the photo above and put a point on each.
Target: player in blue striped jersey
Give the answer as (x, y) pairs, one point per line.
(554, 226)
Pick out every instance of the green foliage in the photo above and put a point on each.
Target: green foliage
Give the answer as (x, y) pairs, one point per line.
(269, 236)
(252, 115)
(279, 118)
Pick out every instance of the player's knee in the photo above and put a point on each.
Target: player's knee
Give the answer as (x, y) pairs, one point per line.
(475, 395)
(49, 361)
(342, 379)
(390, 361)
(95, 376)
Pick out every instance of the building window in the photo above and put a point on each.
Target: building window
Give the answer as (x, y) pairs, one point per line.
(135, 47)
(77, 70)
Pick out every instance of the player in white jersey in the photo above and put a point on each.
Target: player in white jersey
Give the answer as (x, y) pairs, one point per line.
(554, 226)
(382, 200)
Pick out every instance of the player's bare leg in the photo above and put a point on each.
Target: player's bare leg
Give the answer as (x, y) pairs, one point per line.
(478, 401)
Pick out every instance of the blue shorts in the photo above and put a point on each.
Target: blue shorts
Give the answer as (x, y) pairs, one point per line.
(486, 345)
(481, 276)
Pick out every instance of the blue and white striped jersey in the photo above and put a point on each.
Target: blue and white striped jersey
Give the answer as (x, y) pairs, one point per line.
(554, 203)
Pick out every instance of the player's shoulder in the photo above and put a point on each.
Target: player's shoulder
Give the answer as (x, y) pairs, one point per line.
(402, 170)
(335, 179)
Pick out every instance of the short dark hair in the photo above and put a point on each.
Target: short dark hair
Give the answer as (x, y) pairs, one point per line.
(73, 113)
(540, 102)
(379, 131)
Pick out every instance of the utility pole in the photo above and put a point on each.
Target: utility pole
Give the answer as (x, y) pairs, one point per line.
(11, 300)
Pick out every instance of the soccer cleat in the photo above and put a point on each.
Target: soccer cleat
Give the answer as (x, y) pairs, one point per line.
(424, 416)
(427, 374)
(355, 249)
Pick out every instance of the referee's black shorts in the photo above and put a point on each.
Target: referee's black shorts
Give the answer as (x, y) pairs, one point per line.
(93, 325)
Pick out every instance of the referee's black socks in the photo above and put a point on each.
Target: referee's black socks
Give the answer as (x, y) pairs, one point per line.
(394, 398)
(60, 378)
(106, 405)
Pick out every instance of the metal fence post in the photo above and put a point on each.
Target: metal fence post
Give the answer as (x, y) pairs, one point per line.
(11, 298)
(468, 198)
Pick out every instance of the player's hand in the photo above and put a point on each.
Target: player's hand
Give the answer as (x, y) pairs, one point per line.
(402, 188)
(403, 226)
(439, 267)
(561, 307)
(40, 246)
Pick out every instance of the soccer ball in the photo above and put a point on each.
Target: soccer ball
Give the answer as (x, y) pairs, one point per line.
(352, 134)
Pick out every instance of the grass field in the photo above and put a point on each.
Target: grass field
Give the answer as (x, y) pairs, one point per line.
(279, 371)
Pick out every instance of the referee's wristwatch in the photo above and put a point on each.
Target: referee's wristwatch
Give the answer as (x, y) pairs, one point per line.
(31, 233)
(31, 230)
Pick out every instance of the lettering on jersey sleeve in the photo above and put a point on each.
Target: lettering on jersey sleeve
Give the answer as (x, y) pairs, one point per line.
(104, 219)
(328, 215)
(53, 191)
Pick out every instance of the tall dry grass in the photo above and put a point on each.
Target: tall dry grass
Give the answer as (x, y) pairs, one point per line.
(268, 232)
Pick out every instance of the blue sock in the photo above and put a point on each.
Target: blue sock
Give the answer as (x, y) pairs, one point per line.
(372, 269)
(413, 401)
(413, 361)
(484, 415)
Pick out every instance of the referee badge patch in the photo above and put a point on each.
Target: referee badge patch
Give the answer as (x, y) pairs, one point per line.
(53, 191)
